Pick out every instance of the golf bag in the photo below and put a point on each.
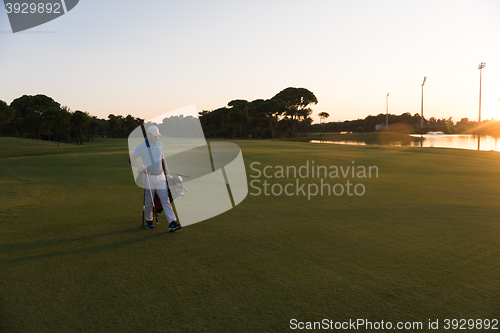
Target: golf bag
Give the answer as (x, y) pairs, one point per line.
(157, 207)
(175, 190)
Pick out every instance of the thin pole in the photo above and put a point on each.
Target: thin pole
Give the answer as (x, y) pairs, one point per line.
(480, 67)
(422, 109)
(387, 110)
(422, 105)
(480, 80)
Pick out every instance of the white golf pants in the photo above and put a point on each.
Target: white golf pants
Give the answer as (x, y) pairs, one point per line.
(158, 184)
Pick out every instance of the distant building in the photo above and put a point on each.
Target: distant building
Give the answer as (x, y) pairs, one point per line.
(379, 127)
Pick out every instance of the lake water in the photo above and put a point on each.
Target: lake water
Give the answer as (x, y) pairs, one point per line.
(460, 141)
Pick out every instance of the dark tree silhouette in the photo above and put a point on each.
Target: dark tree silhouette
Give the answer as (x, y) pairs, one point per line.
(238, 116)
(78, 120)
(298, 100)
(29, 110)
(6, 113)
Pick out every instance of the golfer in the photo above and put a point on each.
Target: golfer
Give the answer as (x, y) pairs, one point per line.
(153, 177)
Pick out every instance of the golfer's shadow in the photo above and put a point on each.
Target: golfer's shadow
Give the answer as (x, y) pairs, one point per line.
(5, 248)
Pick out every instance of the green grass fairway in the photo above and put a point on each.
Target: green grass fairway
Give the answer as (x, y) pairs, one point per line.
(422, 243)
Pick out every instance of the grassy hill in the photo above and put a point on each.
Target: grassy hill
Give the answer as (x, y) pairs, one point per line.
(421, 243)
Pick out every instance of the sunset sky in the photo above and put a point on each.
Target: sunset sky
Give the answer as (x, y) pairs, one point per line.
(146, 58)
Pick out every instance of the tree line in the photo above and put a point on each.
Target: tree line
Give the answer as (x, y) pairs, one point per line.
(406, 123)
(287, 114)
(40, 117)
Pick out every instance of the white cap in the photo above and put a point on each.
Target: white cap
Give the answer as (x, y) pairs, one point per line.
(153, 130)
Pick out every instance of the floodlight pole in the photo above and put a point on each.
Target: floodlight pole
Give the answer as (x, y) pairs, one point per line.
(422, 105)
(480, 67)
(387, 110)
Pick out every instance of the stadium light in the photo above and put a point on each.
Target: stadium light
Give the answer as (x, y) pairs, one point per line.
(422, 105)
(480, 67)
(387, 111)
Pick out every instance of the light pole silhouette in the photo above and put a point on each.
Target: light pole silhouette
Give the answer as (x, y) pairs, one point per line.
(480, 67)
(387, 111)
(422, 105)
